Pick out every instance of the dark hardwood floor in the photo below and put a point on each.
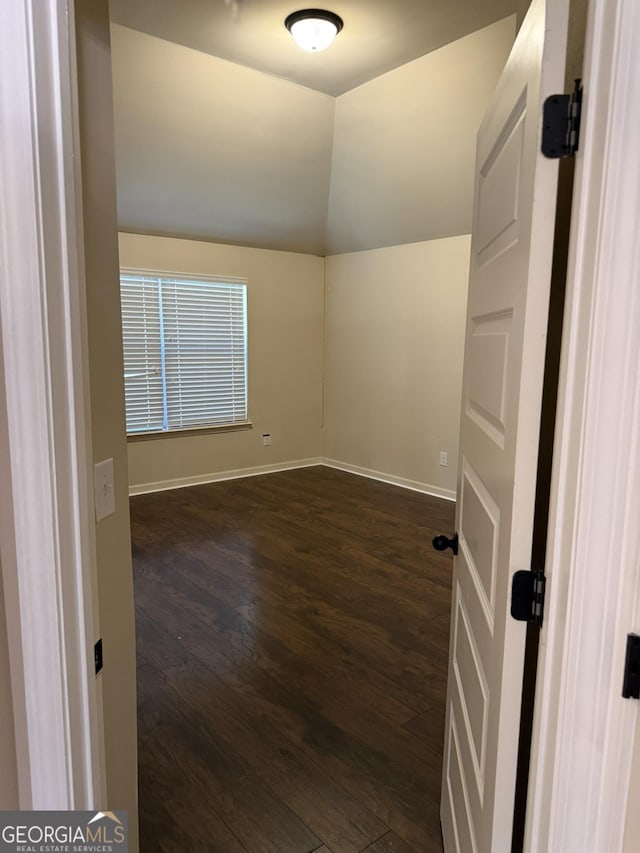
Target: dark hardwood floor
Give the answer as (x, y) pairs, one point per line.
(292, 655)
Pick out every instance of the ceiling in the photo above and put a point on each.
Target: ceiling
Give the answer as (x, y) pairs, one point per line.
(378, 35)
(226, 131)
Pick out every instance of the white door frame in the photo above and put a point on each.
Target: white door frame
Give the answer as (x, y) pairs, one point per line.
(583, 729)
(47, 531)
(580, 756)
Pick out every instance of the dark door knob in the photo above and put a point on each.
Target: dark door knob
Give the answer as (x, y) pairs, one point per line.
(441, 543)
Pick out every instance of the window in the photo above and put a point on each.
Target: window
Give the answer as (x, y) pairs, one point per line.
(185, 351)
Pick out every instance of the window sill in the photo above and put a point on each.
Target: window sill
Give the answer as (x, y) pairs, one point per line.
(188, 431)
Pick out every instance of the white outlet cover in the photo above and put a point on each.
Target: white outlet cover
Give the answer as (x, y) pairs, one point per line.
(104, 494)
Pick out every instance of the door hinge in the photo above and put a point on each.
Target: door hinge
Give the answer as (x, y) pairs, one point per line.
(561, 123)
(527, 596)
(97, 655)
(631, 682)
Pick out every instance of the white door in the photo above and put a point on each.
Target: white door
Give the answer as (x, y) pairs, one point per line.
(509, 284)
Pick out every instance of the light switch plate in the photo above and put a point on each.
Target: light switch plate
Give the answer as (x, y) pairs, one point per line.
(103, 487)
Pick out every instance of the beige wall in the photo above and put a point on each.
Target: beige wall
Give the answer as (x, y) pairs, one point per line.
(401, 173)
(115, 588)
(393, 348)
(404, 145)
(8, 767)
(285, 304)
(213, 150)
(395, 322)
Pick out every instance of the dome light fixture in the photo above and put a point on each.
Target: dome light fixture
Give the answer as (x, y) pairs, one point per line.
(313, 29)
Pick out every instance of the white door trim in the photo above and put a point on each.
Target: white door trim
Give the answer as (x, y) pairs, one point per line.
(47, 535)
(583, 729)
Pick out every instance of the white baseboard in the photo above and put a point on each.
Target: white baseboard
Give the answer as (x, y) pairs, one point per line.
(414, 485)
(201, 479)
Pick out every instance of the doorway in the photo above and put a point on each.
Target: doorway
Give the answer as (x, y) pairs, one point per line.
(388, 349)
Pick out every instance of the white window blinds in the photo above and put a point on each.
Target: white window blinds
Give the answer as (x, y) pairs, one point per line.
(185, 352)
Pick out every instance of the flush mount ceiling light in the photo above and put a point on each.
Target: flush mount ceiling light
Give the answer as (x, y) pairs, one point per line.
(313, 29)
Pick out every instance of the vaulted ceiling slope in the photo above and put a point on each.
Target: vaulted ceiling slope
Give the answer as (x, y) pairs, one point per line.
(404, 145)
(209, 149)
(378, 35)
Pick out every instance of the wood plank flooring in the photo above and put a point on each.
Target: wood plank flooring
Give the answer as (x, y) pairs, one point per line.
(292, 638)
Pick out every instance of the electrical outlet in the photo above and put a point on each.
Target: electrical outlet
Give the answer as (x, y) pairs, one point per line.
(444, 458)
(266, 439)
